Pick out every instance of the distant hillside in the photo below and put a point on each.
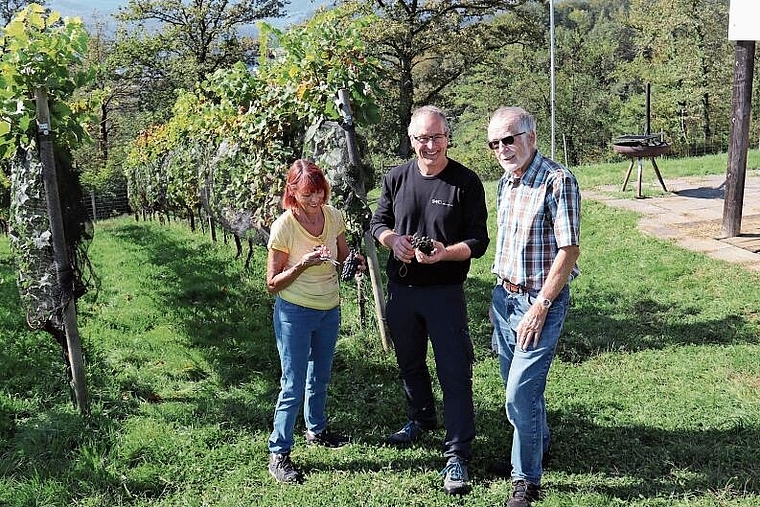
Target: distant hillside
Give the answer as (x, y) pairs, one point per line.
(91, 10)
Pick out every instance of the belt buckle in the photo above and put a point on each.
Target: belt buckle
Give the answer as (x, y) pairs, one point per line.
(513, 287)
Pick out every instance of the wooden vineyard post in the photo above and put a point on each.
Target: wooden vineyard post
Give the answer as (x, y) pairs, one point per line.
(741, 111)
(60, 254)
(344, 105)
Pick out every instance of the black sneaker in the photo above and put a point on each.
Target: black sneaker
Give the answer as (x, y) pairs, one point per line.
(456, 481)
(282, 469)
(325, 439)
(411, 432)
(523, 494)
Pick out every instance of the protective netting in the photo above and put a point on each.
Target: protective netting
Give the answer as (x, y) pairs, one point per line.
(43, 293)
(222, 186)
(324, 143)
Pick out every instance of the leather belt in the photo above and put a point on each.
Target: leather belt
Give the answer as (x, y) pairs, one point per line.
(514, 287)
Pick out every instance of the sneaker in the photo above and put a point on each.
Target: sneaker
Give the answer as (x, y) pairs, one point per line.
(455, 478)
(325, 439)
(411, 432)
(282, 469)
(523, 494)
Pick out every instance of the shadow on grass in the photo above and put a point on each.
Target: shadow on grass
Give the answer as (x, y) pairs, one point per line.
(647, 325)
(663, 462)
(226, 319)
(652, 462)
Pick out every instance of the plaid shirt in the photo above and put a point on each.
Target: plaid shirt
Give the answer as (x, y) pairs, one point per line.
(537, 215)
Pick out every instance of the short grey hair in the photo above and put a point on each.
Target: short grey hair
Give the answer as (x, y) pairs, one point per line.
(524, 118)
(428, 111)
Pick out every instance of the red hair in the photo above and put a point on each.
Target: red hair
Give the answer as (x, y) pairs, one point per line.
(306, 177)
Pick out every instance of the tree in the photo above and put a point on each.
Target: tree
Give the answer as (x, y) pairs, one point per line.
(688, 65)
(9, 8)
(588, 47)
(117, 117)
(176, 44)
(426, 45)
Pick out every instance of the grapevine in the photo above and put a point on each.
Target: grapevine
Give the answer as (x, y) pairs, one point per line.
(350, 266)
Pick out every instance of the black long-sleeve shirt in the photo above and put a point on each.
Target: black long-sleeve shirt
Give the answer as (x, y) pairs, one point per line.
(449, 207)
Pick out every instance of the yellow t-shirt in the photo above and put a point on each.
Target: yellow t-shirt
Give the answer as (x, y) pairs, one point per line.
(317, 286)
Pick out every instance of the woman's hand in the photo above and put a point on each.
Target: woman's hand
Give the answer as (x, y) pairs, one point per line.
(317, 256)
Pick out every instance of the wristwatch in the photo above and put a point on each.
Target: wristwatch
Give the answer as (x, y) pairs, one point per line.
(545, 302)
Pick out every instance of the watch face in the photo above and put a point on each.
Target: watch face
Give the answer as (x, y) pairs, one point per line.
(546, 302)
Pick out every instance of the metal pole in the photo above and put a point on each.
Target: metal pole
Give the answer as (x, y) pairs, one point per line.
(62, 265)
(94, 207)
(647, 127)
(551, 72)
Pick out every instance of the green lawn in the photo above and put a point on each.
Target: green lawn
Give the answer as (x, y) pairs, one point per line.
(654, 398)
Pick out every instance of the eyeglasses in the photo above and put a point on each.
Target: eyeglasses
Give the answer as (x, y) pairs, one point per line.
(506, 141)
(437, 138)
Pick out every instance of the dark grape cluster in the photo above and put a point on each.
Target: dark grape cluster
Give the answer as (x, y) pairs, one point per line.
(350, 265)
(422, 243)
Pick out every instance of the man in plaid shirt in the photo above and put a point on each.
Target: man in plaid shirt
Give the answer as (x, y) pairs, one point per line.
(537, 245)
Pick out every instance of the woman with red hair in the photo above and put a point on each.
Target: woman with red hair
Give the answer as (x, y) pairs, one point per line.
(306, 244)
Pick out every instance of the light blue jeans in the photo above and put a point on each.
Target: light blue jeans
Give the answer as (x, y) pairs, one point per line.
(306, 342)
(524, 373)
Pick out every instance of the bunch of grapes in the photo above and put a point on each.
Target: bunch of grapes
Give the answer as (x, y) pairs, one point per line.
(422, 243)
(350, 265)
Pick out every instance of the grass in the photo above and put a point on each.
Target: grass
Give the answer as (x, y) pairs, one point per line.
(654, 398)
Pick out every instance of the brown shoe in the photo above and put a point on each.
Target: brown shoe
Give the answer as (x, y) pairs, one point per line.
(523, 494)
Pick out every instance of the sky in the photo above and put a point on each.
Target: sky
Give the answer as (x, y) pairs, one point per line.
(91, 10)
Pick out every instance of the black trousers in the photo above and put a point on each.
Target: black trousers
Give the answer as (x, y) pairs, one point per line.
(439, 312)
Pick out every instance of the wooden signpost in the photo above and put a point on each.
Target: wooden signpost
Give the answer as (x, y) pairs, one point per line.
(745, 31)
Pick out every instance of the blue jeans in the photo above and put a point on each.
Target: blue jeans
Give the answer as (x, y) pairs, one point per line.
(306, 342)
(524, 373)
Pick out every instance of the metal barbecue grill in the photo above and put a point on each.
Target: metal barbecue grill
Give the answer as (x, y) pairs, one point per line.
(637, 147)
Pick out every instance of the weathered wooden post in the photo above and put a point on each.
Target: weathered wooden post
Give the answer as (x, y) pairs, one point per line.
(741, 101)
(344, 104)
(742, 28)
(63, 266)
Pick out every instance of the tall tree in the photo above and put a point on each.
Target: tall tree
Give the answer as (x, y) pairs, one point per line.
(115, 121)
(588, 47)
(9, 8)
(425, 45)
(689, 66)
(176, 44)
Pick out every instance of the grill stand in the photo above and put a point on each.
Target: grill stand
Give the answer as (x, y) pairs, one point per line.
(639, 195)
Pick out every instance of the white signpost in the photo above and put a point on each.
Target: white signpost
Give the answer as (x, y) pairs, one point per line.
(743, 16)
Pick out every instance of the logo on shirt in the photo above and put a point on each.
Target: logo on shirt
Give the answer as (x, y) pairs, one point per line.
(441, 203)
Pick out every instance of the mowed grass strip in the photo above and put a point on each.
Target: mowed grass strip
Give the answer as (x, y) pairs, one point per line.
(654, 398)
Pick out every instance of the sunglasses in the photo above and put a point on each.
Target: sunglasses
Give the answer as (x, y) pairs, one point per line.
(506, 141)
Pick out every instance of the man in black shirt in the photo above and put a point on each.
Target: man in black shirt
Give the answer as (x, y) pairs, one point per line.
(438, 198)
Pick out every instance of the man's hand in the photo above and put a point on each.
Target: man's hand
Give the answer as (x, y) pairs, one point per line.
(529, 328)
(401, 247)
(437, 255)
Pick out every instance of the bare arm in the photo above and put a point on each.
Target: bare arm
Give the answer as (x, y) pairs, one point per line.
(529, 328)
(278, 277)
